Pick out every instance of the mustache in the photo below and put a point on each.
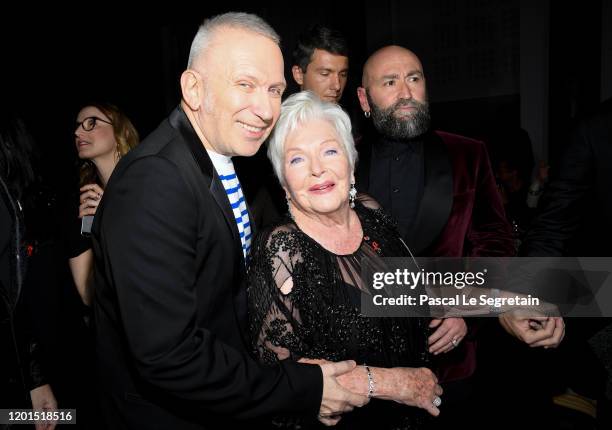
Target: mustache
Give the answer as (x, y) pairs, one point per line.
(407, 103)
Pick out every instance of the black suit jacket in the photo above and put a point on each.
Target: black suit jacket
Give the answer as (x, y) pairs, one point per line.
(170, 306)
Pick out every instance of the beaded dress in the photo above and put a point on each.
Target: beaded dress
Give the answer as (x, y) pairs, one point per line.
(320, 316)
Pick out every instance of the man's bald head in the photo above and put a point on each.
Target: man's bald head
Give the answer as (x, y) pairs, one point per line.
(387, 56)
(394, 94)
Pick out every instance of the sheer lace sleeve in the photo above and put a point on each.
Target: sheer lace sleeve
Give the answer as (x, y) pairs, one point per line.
(274, 318)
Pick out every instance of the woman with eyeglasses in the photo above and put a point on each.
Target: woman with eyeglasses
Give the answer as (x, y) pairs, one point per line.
(103, 135)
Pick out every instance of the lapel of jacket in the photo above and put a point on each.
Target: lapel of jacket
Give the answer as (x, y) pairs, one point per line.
(179, 120)
(437, 200)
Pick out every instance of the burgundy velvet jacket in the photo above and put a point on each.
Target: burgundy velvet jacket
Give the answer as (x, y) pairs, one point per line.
(460, 214)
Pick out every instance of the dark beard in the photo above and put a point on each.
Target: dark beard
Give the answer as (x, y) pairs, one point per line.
(408, 127)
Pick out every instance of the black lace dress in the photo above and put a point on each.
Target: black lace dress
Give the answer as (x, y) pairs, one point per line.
(318, 315)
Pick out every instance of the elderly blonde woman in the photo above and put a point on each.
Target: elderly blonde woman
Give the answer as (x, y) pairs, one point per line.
(305, 274)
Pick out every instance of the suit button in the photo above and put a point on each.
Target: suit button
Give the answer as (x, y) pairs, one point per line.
(397, 158)
(396, 190)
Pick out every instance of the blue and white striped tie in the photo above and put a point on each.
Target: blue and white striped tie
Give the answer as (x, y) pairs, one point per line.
(236, 198)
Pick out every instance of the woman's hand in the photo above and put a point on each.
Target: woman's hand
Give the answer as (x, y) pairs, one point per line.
(90, 199)
(408, 385)
(449, 332)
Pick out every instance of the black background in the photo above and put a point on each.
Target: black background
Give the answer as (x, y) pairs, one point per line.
(55, 60)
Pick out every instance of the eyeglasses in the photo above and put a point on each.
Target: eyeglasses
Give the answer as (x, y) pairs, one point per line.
(89, 123)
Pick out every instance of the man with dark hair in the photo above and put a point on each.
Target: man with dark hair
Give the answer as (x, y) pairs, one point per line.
(320, 62)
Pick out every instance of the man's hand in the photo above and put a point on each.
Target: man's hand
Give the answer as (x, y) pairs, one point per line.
(336, 399)
(43, 400)
(533, 330)
(410, 386)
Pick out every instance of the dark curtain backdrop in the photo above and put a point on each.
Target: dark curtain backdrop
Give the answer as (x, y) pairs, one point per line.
(54, 62)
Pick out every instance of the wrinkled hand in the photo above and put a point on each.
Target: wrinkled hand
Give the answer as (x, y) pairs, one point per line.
(533, 330)
(313, 361)
(89, 199)
(410, 386)
(337, 399)
(441, 340)
(44, 400)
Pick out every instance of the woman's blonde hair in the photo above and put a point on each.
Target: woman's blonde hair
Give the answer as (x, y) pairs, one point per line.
(125, 134)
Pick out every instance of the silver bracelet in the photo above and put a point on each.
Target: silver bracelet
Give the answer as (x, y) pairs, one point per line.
(371, 384)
